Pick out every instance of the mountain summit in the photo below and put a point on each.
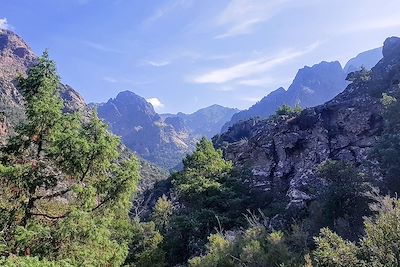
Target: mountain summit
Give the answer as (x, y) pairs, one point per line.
(311, 86)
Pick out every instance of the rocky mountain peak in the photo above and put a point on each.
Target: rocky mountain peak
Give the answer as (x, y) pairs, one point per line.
(311, 86)
(391, 48)
(141, 129)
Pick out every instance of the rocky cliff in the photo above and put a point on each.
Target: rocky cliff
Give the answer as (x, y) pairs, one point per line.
(279, 156)
(311, 86)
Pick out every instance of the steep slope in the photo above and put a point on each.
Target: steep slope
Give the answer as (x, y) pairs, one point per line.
(141, 129)
(206, 121)
(311, 86)
(367, 59)
(279, 156)
(15, 59)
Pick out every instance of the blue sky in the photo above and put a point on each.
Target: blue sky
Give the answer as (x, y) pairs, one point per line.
(188, 54)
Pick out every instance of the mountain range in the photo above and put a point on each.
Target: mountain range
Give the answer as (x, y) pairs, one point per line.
(164, 139)
(311, 86)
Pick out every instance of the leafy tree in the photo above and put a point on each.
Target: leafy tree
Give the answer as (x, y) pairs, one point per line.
(287, 110)
(284, 110)
(162, 213)
(379, 246)
(346, 197)
(65, 192)
(254, 247)
(387, 150)
(146, 247)
(209, 197)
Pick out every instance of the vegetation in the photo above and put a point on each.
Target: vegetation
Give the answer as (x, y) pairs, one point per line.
(288, 111)
(208, 197)
(388, 149)
(65, 193)
(379, 246)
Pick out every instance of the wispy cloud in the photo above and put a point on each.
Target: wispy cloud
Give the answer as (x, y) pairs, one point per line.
(160, 63)
(241, 16)
(156, 103)
(101, 47)
(110, 79)
(165, 10)
(4, 24)
(250, 68)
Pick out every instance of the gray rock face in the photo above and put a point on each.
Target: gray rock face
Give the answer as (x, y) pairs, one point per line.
(311, 86)
(281, 154)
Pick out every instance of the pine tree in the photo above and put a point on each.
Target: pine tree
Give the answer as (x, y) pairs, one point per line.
(65, 192)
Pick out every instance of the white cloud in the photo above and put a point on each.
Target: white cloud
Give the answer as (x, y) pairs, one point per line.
(110, 79)
(4, 24)
(161, 63)
(101, 47)
(241, 16)
(249, 68)
(156, 103)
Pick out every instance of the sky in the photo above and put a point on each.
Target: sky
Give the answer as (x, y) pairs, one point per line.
(183, 55)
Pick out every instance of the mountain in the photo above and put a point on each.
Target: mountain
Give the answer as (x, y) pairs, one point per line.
(366, 59)
(279, 156)
(311, 86)
(15, 59)
(206, 121)
(164, 142)
(162, 139)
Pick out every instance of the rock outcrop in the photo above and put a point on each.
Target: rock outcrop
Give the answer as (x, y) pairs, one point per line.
(279, 156)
